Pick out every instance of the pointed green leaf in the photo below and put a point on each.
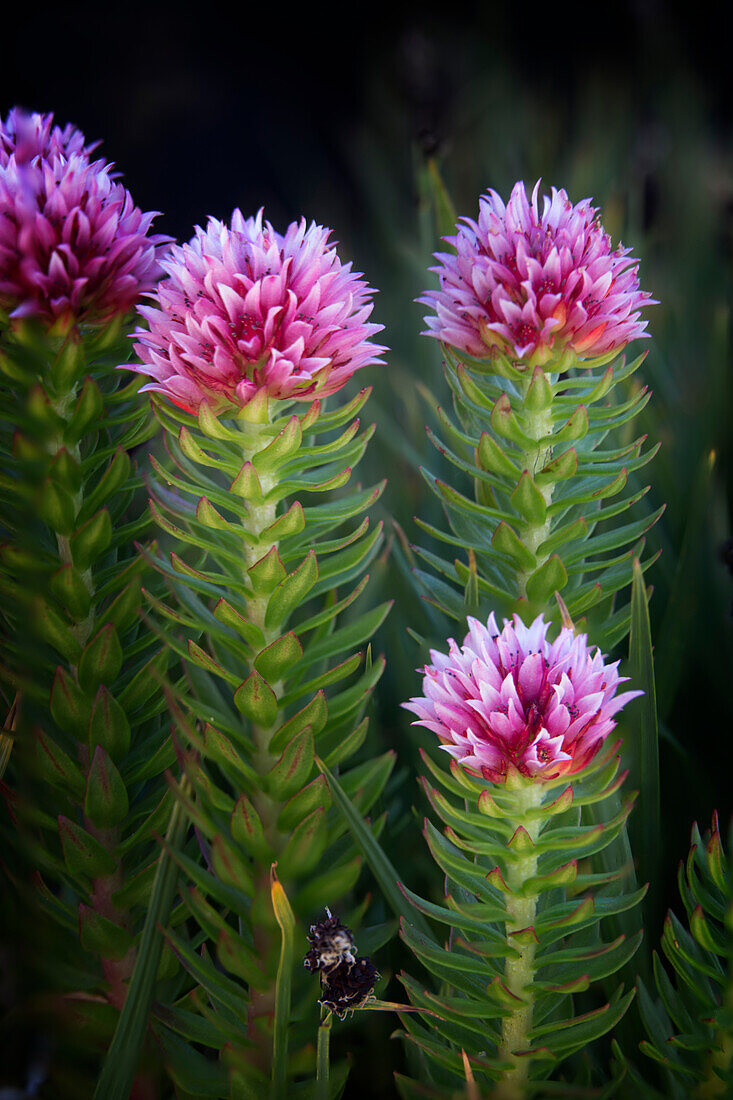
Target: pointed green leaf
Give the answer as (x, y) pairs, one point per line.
(282, 447)
(247, 829)
(247, 484)
(306, 845)
(267, 573)
(505, 424)
(252, 634)
(101, 659)
(229, 867)
(52, 628)
(111, 482)
(56, 767)
(292, 771)
(315, 794)
(489, 456)
(91, 540)
(505, 540)
(108, 725)
(256, 699)
(576, 427)
(528, 500)
(56, 508)
(551, 577)
(314, 714)
(280, 656)
(125, 608)
(105, 803)
(83, 854)
(102, 936)
(87, 412)
(291, 522)
(292, 591)
(539, 395)
(70, 706)
(66, 471)
(558, 469)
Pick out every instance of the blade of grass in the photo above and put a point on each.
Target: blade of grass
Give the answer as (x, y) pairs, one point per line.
(323, 1067)
(381, 868)
(286, 919)
(118, 1071)
(642, 752)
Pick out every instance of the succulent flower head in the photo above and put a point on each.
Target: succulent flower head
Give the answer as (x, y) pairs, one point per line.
(511, 699)
(26, 136)
(245, 309)
(74, 248)
(535, 284)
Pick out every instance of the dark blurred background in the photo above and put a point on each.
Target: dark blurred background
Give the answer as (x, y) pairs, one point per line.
(334, 114)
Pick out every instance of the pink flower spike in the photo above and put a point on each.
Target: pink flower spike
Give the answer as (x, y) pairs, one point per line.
(246, 310)
(74, 249)
(511, 699)
(535, 285)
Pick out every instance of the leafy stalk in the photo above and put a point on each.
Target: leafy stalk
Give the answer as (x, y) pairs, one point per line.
(690, 1024)
(517, 974)
(542, 491)
(260, 573)
(87, 768)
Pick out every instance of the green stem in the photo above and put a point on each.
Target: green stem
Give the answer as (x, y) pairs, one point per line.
(258, 519)
(538, 425)
(323, 1069)
(519, 971)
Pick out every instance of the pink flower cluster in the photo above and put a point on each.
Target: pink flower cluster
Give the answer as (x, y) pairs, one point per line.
(246, 309)
(512, 699)
(74, 248)
(535, 284)
(25, 136)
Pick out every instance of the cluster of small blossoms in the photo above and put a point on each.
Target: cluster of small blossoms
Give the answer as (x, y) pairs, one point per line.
(74, 248)
(245, 309)
(534, 285)
(512, 699)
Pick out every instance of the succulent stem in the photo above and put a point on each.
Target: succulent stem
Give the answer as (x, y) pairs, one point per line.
(538, 425)
(519, 971)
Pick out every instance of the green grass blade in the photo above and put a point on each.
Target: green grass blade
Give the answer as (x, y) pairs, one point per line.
(323, 1066)
(118, 1072)
(381, 868)
(642, 751)
(286, 919)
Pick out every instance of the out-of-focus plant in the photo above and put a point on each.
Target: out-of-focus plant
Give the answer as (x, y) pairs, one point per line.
(85, 774)
(250, 333)
(690, 1022)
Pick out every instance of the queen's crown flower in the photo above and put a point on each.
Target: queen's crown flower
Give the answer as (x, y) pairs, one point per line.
(535, 285)
(511, 699)
(74, 248)
(246, 309)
